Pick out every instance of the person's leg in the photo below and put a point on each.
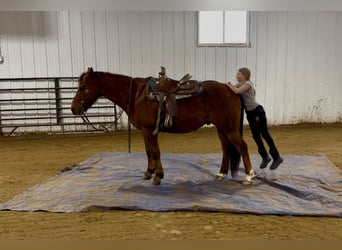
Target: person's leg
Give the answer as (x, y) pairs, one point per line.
(277, 160)
(256, 133)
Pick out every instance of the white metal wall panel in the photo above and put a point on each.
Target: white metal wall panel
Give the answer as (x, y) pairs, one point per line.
(146, 37)
(327, 48)
(179, 44)
(220, 65)
(167, 43)
(294, 56)
(125, 43)
(289, 68)
(14, 59)
(190, 42)
(136, 43)
(113, 41)
(241, 57)
(210, 63)
(280, 62)
(52, 48)
(156, 41)
(337, 93)
(64, 44)
(27, 51)
(231, 66)
(272, 88)
(4, 68)
(261, 46)
(252, 51)
(77, 55)
(39, 46)
(100, 48)
(88, 39)
(200, 64)
(303, 64)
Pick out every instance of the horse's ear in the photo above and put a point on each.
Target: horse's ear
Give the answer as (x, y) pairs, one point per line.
(90, 71)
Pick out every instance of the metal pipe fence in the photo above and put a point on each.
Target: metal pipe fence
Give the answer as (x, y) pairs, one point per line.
(42, 105)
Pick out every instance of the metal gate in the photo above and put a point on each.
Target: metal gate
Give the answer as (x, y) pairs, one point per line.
(42, 105)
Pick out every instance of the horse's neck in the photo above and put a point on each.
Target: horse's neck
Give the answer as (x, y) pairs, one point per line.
(116, 88)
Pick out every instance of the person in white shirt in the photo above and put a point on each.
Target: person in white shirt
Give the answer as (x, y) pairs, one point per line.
(256, 117)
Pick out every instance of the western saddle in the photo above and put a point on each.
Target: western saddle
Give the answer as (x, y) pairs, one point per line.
(166, 92)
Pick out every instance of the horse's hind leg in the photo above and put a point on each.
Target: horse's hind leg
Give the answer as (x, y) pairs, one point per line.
(225, 158)
(236, 139)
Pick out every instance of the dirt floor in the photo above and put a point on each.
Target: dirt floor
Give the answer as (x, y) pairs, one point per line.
(30, 159)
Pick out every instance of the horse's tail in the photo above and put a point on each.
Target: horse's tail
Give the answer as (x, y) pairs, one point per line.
(235, 159)
(235, 156)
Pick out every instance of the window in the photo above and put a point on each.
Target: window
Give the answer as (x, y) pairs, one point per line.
(223, 28)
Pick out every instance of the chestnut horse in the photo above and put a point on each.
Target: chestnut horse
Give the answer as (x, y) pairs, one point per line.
(217, 105)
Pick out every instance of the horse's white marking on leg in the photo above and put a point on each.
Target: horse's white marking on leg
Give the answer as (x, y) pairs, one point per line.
(248, 178)
(220, 175)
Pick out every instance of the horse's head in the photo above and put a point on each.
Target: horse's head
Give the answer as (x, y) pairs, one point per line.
(88, 92)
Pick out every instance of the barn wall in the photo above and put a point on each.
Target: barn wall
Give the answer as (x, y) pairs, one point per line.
(295, 57)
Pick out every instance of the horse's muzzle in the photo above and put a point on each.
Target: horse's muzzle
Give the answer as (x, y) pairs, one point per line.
(77, 108)
(75, 111)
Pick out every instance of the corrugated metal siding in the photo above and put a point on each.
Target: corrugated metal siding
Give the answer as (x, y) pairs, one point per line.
(295, 57)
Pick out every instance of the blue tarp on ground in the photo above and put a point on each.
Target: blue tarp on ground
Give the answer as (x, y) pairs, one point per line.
(302, 185)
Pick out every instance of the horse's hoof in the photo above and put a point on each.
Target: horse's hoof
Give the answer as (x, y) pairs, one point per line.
(248, 178)
(147, 176)
(218, 178)
(247, 182)
(156, 181)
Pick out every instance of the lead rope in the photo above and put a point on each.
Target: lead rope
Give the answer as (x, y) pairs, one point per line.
(128, 114)
(87, 121)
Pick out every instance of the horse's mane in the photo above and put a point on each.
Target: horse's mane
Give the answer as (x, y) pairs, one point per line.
(99, 74)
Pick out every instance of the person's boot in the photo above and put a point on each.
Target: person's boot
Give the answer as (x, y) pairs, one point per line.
(276, 163)
(264, 162)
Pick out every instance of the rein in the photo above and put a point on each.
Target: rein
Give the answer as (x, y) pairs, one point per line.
(86, 120)
(128, 114)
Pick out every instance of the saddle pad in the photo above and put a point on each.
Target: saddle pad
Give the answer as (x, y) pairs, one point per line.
(302, 185)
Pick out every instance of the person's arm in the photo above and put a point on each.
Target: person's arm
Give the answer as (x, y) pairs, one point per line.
(239, 90)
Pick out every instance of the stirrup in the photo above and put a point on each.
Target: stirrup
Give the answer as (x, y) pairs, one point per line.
(168, 121)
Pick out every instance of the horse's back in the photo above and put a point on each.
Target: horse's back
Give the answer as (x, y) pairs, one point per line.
(223, 105)
(221, 93)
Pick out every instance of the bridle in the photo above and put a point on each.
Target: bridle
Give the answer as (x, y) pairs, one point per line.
(84, 113)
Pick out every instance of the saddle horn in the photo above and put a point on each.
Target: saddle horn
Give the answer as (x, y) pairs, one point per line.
(162, 76)
(162, 71)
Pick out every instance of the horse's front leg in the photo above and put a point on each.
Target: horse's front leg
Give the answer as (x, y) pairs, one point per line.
(153, 157)
(150, 164)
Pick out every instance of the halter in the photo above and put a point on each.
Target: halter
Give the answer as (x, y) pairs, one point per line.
(84, 114)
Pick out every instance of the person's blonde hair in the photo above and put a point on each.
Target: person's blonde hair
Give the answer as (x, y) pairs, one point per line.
(246, 73)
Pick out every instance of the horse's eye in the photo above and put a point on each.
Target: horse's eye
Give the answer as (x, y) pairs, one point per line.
(83, 89)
